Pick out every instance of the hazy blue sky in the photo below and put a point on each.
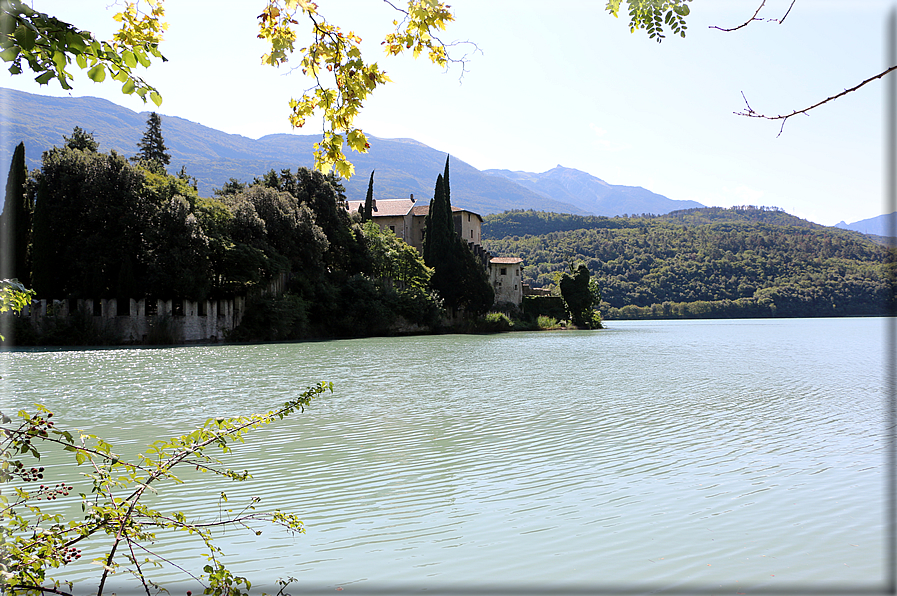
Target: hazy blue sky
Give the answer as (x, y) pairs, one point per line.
(565, 83)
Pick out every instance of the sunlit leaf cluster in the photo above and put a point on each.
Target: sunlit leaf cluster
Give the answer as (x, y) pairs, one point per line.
(47, 45)
(653, 15)
(115, 513)
(342, 78)
(13, 295)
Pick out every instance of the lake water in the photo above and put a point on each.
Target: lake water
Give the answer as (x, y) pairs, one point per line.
(728, 457)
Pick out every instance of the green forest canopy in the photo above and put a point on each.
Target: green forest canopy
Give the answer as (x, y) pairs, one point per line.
(761, 260)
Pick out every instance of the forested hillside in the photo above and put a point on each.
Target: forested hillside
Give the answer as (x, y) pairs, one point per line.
(703, 262)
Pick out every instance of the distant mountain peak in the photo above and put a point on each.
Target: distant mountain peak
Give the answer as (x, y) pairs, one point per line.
(403, 166)
(592, 194)
(882, 225)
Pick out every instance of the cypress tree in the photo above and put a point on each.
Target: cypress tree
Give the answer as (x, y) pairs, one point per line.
(458, 276)
(435, 245)
(152, 146)
(369, 201)
(15, 222)
(448, 193)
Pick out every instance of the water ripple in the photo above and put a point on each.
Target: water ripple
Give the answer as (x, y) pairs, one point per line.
(737, 454)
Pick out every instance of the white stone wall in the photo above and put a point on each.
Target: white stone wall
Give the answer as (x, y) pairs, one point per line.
(508, 287)
(219, 317)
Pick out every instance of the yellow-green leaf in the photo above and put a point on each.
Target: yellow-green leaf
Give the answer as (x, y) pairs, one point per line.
(97, 74)
(129, 58)
(9, 54)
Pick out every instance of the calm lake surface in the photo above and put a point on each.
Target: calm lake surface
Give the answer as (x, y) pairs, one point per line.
(729, 457)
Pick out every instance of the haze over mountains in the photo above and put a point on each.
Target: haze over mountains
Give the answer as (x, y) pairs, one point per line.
(593, 195)
(403, 166)
(882, 225)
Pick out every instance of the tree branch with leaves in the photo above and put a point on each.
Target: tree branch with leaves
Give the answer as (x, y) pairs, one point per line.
(749, 112)
(46, 45)
(35, 542)
(342, 78)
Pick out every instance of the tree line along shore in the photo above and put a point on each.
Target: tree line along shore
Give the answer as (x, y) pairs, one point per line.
(90, 225)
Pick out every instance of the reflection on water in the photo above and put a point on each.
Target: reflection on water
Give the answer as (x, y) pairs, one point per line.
(730, 455)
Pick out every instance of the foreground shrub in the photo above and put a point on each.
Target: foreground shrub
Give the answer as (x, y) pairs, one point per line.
(546, 322)
(114, 515)
(495, 322)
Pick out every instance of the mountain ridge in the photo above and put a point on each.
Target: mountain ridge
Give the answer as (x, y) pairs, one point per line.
(880, 225)
(592, 194)
(404, 166)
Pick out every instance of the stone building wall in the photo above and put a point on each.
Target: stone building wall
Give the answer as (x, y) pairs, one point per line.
(135, 321)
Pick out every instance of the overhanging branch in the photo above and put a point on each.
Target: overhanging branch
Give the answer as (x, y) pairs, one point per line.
(751, 113)
(756, 18)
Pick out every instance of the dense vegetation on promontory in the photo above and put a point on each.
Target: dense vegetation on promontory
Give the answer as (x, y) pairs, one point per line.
(94, 225)
(714, 262)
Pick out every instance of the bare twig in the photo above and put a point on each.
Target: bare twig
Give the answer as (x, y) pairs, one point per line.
(396, 7)
(463, 60)
(746, 23)
(167, 561)
(38, 589)
(751, 113)
(137, 565)
(756, 18)
(782, 20)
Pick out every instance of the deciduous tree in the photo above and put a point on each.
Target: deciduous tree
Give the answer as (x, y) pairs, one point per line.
(90, 212)
(579, 294)
(81, 140)
(118, 522)
(47, 45)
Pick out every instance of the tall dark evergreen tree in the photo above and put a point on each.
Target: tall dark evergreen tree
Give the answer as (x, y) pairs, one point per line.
(369, 201)
(448, 189)
(152, 146)
(15, 223)
(458, 276)
(437, 236)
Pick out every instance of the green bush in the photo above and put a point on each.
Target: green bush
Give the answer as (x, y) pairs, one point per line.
(495, 322)
(546, 322)
(552, 306)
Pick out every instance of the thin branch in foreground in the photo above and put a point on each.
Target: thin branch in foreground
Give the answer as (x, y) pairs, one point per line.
(748, 22)
(756, 18)
(787, 12)
(463, 60)
(751, 113)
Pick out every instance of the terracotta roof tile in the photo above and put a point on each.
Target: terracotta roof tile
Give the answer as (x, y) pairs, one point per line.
(386, 207)
(506, 260)
(399, 207)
